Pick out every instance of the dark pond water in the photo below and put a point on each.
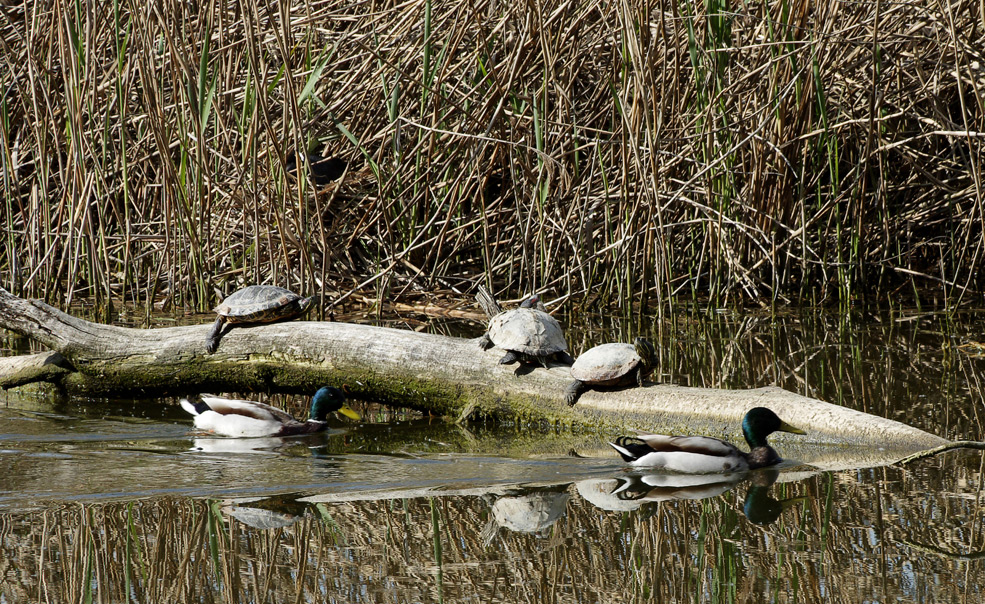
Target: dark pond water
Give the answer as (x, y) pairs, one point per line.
(115, 501)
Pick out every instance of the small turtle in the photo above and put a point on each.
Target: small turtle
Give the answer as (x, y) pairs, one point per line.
(528, 335)
(256, 304)
(610, 365)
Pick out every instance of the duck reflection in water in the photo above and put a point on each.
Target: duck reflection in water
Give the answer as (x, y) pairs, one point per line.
(758, 506)
(263, 446)
(302, 446)
(632, 491)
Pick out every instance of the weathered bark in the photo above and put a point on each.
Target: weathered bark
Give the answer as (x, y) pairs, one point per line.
(27, 369)
(443, 375)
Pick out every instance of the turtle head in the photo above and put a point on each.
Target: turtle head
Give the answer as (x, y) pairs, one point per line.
(328, 400)
(305, 304)
(531, 302)
(760, 422)
(646, 352)
(534, 301)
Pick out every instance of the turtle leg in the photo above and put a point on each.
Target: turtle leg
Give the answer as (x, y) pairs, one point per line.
(573, 391)
(484, 342)
(564, 357)
(639, 376)
(523, 369)
(509, 357)
(212, 340)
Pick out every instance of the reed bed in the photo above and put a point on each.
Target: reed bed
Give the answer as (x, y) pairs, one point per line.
(609, 152)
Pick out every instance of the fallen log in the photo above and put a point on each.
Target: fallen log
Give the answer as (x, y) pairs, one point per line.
(31, 368)
(441, 375)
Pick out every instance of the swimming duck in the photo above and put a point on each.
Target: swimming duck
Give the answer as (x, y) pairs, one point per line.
(705, 455)
(239, 418)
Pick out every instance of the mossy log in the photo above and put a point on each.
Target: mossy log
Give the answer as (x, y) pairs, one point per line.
(441, 375)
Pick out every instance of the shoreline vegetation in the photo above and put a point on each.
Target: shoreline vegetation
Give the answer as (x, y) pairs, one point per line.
(609, 154)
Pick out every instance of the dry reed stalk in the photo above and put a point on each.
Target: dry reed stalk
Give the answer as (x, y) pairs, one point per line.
(611, 152)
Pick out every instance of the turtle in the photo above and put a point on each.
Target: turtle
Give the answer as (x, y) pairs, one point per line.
(256, 304)
(610, 365)
(528, 335)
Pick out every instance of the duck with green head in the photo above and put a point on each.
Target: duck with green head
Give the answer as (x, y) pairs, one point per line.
(706, 455)
(242, 419)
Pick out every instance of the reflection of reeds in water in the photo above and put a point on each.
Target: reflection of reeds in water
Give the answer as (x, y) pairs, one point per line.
(847, 541)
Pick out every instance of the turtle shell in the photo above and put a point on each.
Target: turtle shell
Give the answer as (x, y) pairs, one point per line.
(527, 330)
(606, 364)
(259, 303)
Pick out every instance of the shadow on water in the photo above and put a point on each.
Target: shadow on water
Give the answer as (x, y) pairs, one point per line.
(122, 501)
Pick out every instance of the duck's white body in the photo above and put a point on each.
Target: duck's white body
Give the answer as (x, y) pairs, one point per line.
(686, 454)
(244, 419)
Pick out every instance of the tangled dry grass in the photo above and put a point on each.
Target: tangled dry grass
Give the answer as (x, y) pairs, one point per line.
(611, 152)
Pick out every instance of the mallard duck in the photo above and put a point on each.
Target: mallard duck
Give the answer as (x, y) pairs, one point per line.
(239, 418)
(705, 455)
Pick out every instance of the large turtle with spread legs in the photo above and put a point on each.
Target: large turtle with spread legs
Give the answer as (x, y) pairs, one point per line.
(528, 335)
(257, 304)
(610, 365)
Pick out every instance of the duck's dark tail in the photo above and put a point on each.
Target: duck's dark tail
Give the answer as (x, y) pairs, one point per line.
(630, 449)
(194, 405)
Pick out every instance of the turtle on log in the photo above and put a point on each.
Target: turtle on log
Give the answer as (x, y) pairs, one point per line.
(256, 304)
(528, 335)
(610, 365)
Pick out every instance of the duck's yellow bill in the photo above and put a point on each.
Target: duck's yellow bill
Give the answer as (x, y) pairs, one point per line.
(785, 427)
(348, 412)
